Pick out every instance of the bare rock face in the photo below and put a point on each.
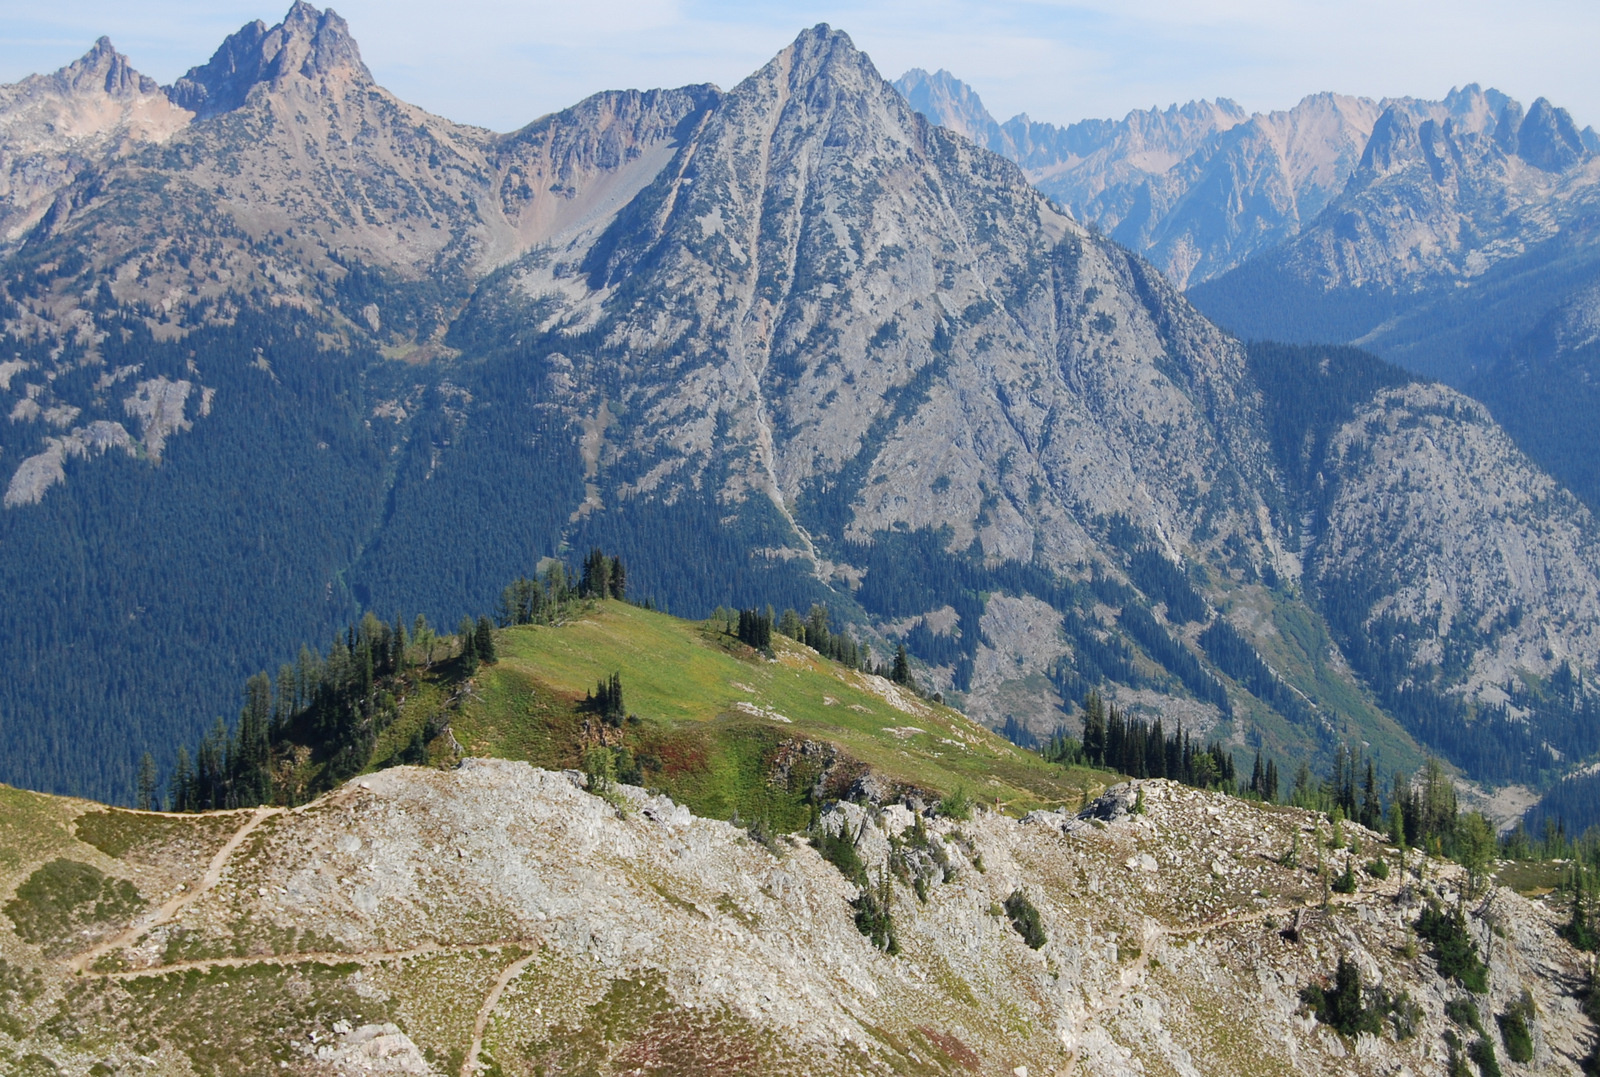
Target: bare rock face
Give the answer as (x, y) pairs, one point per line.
(298, 164)
(1251, 189)
(497, 915)
(53, 128)
(1009, 678)
(1448, 197)
(1465, 223)
(1436, 521)
(309, 44)
(1197, 189)
(827, 274)
(1420, 191)
(35, 475)
(158, 404)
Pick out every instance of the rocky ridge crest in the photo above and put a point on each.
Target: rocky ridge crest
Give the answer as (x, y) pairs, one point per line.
(428, 922)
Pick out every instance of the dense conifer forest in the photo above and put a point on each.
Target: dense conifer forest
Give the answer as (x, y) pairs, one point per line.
(384, 534)
(1310, 392)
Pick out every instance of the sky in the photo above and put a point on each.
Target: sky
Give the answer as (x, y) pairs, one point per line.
(500, 64)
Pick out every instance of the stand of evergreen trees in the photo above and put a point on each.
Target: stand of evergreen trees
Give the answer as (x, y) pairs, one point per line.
(1264, 780)
(1143, 749)
(603, 576)
(815, 633)
(755, 628)
(1165, 582)
(1422, 810)
(1235, 657)
(337, 702)
(1159, 644)
(606, 700)
(316, 725)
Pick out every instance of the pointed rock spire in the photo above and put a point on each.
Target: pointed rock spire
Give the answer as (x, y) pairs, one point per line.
(103, 70)
(308, 44)
(818, 58)
(1548, 138)
(1394, 141)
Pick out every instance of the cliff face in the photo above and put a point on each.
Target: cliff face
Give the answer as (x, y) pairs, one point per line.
(843, 303)
(430, 922)
(1479, 549)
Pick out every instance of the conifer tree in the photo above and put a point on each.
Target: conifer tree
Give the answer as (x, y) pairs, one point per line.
(1094, 730)
(1371, 808)
(791, 625)
(467, 633)
(483, 642)
(555, 583)
(597, 581)
(901, 674)
(424, 637)
(146, 785)
(606, 700)
(180, 785)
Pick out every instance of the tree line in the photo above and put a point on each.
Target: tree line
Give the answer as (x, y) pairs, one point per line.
(1141, 749)
(1419, 810)
(754, 627)
(316, 724)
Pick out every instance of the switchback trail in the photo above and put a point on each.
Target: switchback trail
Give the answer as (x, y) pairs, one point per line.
(325, 957)
(175, 904)
(511, 972)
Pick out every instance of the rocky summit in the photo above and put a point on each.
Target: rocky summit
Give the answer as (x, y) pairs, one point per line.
(500, 918)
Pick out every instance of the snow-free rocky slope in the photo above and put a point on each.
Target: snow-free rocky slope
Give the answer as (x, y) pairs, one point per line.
(316, 350)
(1198, 188)
(1457, 233)
(499, 918)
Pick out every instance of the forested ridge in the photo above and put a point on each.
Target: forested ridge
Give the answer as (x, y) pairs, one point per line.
(140, 594)
(1311, 391)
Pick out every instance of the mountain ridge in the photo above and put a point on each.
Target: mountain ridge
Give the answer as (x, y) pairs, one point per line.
(425, 922)
(788, 343)
(1204, 187)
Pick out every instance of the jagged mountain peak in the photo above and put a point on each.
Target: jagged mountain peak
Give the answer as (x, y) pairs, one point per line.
(1544, 136)
(309, 44)
(1394, 141)
(1475, 105)
(952, 102)
(1548, 139)
(104, 70)
(53, 127)
(820, 55)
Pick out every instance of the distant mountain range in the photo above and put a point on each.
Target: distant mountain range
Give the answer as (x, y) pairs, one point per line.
(1458, 238)
(283, 347)
(1202, 188)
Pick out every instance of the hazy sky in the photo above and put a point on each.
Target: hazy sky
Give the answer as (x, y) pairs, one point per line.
(500, 63)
